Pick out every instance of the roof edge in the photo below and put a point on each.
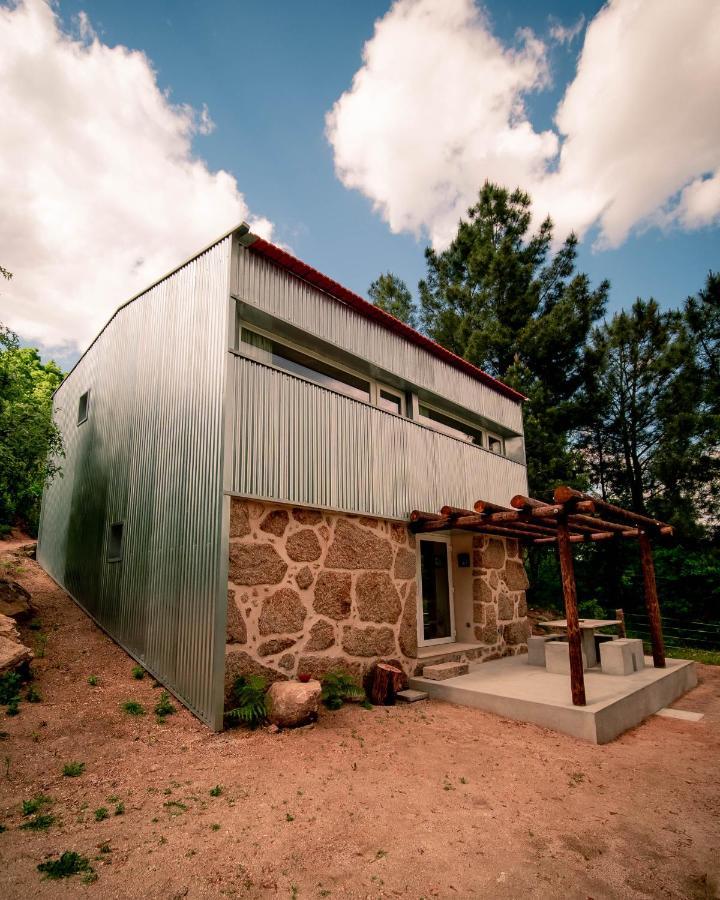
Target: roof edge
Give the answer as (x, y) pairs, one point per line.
(302, 270)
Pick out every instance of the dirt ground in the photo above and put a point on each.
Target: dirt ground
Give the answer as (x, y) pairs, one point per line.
(427, 800)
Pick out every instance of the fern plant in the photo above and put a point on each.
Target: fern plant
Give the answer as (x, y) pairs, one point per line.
(249, 701)
(337, 687)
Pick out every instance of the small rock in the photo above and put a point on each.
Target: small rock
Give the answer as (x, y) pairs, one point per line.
(13, 655)
(273, 729)
(292, 703)
(8, 629)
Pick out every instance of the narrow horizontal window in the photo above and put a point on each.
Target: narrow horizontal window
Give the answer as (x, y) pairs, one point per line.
(495, 444)
(452, 426)
(306, 366)
(115, 542)
(83, 407)
(391, 401)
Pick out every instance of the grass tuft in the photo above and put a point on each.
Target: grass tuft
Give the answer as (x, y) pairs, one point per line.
(101, 813)
(216, 791)
(138, 673)
(73, 769)
(132, 708)
(164, 707)
(39, 823)
(30, 807)
(93, 680)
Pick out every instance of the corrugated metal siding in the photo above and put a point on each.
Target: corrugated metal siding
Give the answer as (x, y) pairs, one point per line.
(150, 455)
(297, 442)
(262, 283)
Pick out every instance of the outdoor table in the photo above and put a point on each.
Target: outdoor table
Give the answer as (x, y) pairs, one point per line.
(588, 627)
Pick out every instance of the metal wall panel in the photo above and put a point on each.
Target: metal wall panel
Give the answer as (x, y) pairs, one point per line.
(151, 455)
(264, 284)
(297, 442)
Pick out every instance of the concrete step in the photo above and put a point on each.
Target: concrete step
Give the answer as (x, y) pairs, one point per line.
(411, 696)
(441, 671)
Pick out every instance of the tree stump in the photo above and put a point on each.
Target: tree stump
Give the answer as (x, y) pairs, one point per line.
(619, 614)
(386, 682)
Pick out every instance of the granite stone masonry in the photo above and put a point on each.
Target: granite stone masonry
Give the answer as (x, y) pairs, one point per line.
(311, 591)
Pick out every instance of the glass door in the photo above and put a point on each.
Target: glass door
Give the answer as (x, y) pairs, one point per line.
(438, 621)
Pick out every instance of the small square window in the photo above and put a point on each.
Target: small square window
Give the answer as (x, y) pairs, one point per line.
(115, 542)
(83, 405)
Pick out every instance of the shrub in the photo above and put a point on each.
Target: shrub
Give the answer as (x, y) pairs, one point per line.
(249, 701)
(9, 687)
(138, 673)
(39, 823)
(101, 813)
(216, 791)
(93, 680)
(69, 863)
(29, 807)
(164, 707)
(33, 695)
(119, 808)
(337, 687)
(132, 708)
(73, 769)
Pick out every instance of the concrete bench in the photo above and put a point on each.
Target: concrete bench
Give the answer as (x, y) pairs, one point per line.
(622, 657)
(536, 648)
(557, 658)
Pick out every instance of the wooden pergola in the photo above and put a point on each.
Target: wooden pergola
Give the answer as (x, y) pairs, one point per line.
(573, 518)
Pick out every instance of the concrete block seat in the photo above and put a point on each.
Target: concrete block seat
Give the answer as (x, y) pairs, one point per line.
(557, 658)
(622, 657)
(536, 647)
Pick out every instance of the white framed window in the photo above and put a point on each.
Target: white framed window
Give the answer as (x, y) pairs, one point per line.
(436, 604)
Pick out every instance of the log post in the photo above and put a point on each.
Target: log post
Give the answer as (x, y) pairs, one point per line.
(577, 679)
(620, 615)
(651, 599)
(386, 682)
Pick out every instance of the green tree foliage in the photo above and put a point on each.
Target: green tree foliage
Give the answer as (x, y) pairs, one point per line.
(30, 445)
(649, 439)
(391, 294)
(501, 298)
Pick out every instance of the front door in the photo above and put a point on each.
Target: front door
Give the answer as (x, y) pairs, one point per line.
(436, 625)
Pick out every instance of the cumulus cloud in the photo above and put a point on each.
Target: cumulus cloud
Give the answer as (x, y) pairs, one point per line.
(438, 107)
(102, 192)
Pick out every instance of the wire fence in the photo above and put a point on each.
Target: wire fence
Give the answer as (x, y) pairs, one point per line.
(677, 632)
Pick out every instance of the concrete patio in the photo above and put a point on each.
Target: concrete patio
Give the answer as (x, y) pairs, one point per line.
(510, 687)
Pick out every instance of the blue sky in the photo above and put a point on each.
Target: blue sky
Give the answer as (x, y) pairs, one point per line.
(269, 73)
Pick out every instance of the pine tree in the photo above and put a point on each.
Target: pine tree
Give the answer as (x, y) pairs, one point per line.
(391, 294)
(499, 297)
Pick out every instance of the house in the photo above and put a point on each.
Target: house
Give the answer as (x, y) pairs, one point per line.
(244, 443)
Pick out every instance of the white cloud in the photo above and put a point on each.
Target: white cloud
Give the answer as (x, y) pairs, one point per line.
(101, 190)
(566, 34)
(437, 108)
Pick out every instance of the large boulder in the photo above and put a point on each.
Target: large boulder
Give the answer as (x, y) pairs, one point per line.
(292, 703)
(12, 655)
(15, 601)
(8, 628)
(238, 662)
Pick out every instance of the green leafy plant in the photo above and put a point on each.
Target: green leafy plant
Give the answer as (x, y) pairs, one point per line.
(30, 807)
(101, 813)
(132, 708)
(119, 808)
(67, 864)
(164, 707)
(249, 701)
(339, 686)
(35, 625)
(138, 673)
(13, 707)
(33, 695)
(40, 645)
(39, 823)
(93, 680)
(9, 687)
(216, 791)
(73, 769)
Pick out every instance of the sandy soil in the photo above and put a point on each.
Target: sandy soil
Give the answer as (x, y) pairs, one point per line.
(428, 800)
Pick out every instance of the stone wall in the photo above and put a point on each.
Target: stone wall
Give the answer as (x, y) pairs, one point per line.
(499, 605)
(312, 591)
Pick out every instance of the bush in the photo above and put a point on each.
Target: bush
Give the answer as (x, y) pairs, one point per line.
(73, 769)
(249, 704)
(132, 708)
(337, 687)
(68, 864)
(164, 707)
